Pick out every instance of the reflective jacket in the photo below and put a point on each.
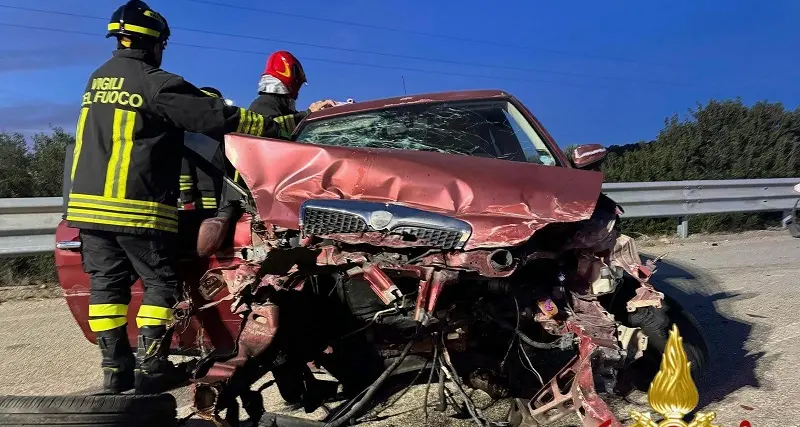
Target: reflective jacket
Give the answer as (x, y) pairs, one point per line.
(198, 189)
(281, 109)
(129, 144)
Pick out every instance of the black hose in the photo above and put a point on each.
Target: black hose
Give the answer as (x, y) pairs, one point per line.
(442, 398)
(564, 342)
(373, 388)
(473, 411)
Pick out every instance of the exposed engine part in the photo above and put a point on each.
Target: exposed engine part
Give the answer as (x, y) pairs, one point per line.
(564, 342)
(646, 296)
(633, 340)
(606, 282)
(378, 281)
(501, 259)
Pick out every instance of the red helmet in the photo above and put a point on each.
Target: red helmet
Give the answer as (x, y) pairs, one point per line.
(285, 67)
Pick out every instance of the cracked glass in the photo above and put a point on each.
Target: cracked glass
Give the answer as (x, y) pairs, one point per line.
(495, 129)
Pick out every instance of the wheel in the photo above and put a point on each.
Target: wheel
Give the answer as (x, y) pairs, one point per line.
(97, 410)
(656, 324)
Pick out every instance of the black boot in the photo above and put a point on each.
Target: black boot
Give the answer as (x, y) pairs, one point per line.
(154, 372)
(118, 361)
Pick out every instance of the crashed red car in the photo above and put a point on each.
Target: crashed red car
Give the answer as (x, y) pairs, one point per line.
(443, 232)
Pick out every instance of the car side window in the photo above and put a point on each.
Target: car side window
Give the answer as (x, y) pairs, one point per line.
(535, 150)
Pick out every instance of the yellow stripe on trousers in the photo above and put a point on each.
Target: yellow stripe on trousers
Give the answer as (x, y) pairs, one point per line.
(107, 310)
(105, 324)
(152, 315)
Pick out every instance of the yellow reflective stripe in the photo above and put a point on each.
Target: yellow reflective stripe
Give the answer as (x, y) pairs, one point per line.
(250, 118)
(78, 140)
(290, 124)
(136, 217)
(136, 210)
(100, 325)
(112, 169)
(125, 161)
(244, 120)
(258, 128)
(209, 93)
(281, 120)
(122, 145)
(135, 28)
(235, 176)
(101, 208)
(144, 321)
(185, 187)
(209, 202)
(185, 178)
(142, 206)
(108, 310)
(155, 312)
(153, 222)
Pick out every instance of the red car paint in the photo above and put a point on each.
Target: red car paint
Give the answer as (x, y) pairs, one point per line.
(505, 202)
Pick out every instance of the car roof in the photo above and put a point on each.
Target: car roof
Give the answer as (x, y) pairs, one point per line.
(357, 107)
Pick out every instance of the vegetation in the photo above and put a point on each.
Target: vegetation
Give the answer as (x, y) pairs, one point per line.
(31, 170)
(719, 140)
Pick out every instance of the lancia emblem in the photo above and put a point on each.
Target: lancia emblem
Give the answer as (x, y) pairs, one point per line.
(380, 219)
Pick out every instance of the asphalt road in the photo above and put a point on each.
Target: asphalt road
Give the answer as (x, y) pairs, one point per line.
(743, 289)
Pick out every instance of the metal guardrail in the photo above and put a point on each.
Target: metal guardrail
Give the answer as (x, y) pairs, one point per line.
(28, 225)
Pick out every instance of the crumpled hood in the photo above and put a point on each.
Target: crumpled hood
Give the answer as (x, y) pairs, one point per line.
(504, 201)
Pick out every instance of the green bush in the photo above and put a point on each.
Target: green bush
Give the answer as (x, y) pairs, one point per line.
(31, 170)
(31, 270)
(721, 140)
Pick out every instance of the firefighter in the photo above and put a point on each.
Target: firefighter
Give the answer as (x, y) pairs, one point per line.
(199, 190)
(124, 172)
(278, 89)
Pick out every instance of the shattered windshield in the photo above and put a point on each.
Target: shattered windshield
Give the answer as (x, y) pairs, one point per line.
(491, 128)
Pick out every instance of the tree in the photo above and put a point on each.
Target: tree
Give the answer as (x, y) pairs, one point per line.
(47, 162)
(15, 180)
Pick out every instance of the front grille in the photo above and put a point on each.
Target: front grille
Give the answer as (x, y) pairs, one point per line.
(415, 227)
(437, 238)
(321, 222)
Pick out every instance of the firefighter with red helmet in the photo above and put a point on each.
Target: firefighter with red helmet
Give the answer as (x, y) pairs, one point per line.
(278, 89)
(124, 173)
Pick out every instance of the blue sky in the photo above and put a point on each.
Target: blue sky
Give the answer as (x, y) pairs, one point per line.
(607, 72)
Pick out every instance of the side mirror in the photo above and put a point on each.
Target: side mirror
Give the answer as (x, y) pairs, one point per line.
(588, 155)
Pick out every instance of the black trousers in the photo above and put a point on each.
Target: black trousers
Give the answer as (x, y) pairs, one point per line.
(114, 261)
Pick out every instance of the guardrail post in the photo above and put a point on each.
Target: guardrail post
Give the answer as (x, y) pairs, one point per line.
(683, 227)
(784, 216)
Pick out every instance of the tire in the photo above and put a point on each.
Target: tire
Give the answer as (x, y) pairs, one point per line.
(97, 410)
(656, 324)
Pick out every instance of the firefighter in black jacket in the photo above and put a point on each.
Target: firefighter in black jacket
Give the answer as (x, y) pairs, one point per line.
(124, 173)
(198, 190)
